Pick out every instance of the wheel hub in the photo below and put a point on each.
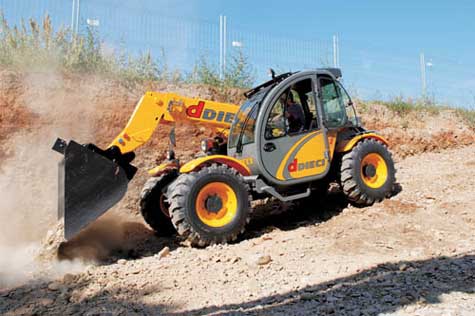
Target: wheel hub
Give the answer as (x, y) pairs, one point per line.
(216, 204)
(213, 203)
(374, 171)
(369, 171)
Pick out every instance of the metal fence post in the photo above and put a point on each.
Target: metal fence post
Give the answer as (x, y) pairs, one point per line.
(423, 76)
(225, 26)
(77, 17)
(222, 45)
(73, 7)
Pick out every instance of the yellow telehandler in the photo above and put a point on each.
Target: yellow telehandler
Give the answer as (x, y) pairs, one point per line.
(292, 136)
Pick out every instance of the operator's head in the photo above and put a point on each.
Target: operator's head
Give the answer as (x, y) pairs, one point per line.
(283, 98)
(290, 98)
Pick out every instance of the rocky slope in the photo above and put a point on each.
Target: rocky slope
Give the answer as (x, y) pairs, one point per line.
(412, 254)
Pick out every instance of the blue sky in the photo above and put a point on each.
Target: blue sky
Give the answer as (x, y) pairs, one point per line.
(380, 41)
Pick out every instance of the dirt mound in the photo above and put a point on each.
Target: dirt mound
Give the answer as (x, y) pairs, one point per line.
(418, 131)
(94, 109)
(14, 116)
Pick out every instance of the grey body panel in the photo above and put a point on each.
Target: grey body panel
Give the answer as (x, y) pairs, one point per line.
(269, 164)
(266, 165)
(272, 160)
(248, 151)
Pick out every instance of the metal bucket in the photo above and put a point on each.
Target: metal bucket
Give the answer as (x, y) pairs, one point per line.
(91, 181)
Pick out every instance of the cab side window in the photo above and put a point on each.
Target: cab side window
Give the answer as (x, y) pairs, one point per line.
(334, 110)
(275, 126)
(294, 112)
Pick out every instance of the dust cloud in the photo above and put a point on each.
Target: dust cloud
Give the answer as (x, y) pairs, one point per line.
(111, 235)
(28, 177)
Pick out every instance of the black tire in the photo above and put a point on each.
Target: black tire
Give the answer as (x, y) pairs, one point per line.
(183, 194)
(351, 174)
(153, 204)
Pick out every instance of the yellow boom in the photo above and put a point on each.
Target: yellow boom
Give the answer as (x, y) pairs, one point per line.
(155, 107)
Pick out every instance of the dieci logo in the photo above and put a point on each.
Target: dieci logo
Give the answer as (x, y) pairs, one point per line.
(295, 166)
(198, 111)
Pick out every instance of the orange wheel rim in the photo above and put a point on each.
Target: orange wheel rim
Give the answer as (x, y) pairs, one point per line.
(216, 204)
(374, 170)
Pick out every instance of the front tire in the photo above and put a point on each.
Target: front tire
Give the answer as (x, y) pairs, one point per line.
(367, 173)
(154, 206)
(210, 206)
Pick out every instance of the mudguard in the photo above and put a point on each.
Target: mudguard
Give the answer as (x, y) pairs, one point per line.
(220, 159)
(348, 145)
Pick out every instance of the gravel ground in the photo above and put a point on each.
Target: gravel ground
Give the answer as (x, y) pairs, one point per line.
(411, 255)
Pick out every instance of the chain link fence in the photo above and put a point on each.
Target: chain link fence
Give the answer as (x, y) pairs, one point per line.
(180, 42)
(370, 71)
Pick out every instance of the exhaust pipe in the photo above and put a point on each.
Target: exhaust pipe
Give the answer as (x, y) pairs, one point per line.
(91, 181)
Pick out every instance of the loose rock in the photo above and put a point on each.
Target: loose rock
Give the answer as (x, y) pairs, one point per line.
(163, 253)
(54, 286)
(263, 260)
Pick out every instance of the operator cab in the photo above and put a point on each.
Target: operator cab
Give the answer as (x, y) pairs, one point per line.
(286, 127)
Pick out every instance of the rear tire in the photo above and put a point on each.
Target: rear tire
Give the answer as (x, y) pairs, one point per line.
(210, 206)
(367, 173)
(154, 207)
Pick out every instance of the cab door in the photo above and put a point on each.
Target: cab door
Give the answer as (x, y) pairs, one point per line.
(293, 146)
(335, 104)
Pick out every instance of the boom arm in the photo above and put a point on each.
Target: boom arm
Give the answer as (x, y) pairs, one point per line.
(92, 180)
(155, 107)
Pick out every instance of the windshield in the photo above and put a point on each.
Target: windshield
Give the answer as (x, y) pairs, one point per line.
(245, 121)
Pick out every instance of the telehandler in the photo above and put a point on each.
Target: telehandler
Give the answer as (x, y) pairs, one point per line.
(292, 136)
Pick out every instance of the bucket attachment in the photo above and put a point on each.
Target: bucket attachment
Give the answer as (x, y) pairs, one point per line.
(91, 181)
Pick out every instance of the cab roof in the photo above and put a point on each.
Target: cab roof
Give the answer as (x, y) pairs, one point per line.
(335, 72)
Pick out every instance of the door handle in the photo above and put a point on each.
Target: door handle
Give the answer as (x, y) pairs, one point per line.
(269, 147)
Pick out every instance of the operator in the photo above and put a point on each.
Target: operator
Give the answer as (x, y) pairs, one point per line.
(294, 115)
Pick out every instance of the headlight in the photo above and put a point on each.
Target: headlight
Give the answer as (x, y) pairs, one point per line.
(204, 145)
(207, 145)
(171, 154)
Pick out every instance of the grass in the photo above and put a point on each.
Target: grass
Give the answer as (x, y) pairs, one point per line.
(403, 107)
(37, 46)
(468, 115)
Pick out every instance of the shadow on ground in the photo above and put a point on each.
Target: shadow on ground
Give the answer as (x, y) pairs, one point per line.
(381, 289)
(292, 215)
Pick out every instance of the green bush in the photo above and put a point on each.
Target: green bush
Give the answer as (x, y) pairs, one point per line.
(404, 106)
(237, 73)
(399, 105)
(37, 47)
(467, 115)
(204, 72)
